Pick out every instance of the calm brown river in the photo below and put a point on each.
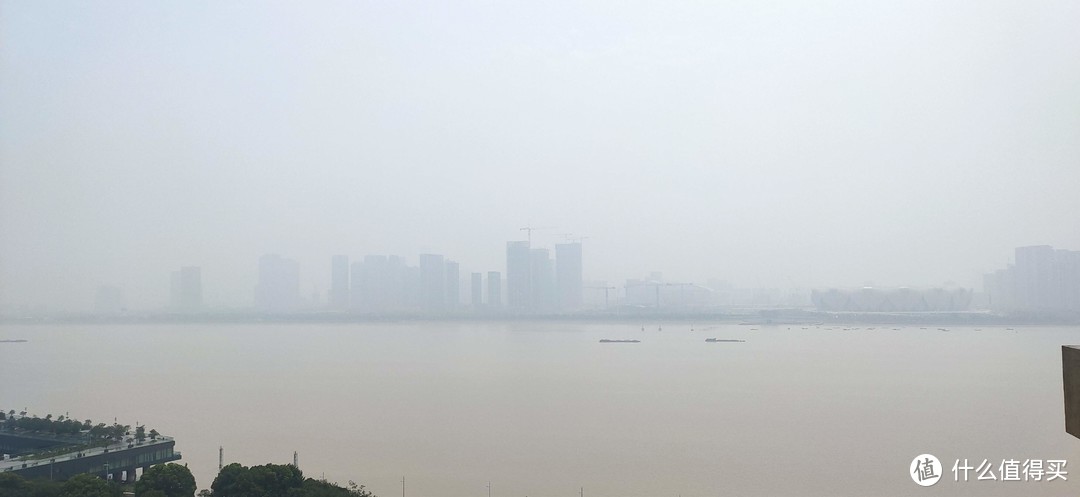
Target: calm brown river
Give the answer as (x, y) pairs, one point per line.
(543, 409)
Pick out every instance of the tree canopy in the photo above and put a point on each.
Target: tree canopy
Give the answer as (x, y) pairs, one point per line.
(69, 426)
(277, 480)
(86, 485)
(172, 480)
(175, 480)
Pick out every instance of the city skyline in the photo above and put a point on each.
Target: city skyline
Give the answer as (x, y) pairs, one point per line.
(1040, 279)
(730, 141)
(583, 247)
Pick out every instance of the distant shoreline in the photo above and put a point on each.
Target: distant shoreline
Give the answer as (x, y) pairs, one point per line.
(766, 317)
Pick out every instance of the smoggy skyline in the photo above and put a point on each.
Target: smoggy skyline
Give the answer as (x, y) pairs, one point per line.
(779, 145)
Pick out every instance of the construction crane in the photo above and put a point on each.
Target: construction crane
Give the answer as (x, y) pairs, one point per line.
(606, 289)
(656, 286)
(530, 229)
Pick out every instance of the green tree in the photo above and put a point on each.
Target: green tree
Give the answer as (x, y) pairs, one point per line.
(174, 480)
(85, 485)
(277, 480)
(316, 488)
(234, 480)
(13, 485)
(358, 490)
(140, 433)
(99, 432)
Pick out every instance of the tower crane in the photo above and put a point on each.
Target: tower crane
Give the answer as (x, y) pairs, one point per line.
(606, 289)
(530, 229)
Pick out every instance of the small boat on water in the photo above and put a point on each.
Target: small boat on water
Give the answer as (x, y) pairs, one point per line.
(731, 340)
(13, 341)
(608, 340)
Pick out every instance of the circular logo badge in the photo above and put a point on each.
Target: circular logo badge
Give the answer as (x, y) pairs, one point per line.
(925, 470)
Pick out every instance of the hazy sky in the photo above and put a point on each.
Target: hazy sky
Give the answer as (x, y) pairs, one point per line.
(765, 143)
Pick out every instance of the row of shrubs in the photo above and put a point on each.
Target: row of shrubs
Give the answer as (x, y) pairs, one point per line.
(69, 426)
(175, 480)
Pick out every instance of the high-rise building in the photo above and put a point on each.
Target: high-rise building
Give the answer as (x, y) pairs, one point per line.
(432, 282)
(278, 290)
(477, 287)
(453, 285)
(1042, 280)
(542, 279)
(339, 282)
(518, 271)
(1034, 276)
(186, 288)
(357, 279)
(568, 275)
(383, 284)
(494, 289)
(412, 294)
(1000, 288)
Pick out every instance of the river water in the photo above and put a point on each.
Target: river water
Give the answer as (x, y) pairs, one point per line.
(543, 409)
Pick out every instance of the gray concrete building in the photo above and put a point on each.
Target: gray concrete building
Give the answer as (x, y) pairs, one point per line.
(518, 280)
(339, 282)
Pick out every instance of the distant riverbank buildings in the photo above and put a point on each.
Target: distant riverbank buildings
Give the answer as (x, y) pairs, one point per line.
(1043, 280)
(870, 299)
(537, 284)
(387, 284)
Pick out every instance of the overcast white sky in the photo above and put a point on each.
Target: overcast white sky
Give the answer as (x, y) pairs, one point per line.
(766, 143)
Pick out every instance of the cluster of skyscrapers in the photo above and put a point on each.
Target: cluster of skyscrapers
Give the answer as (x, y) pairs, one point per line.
(387, 284)
(1043, 280)
(382, 284)
(536, 283)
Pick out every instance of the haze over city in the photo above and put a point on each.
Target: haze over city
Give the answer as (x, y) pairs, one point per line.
(779, 145)
(560, 248)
